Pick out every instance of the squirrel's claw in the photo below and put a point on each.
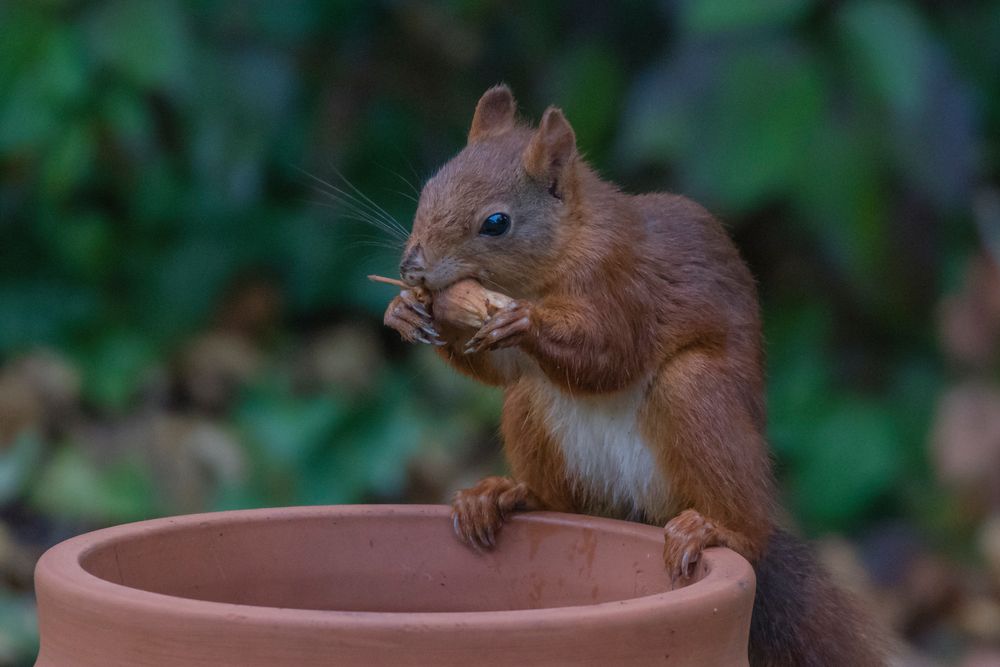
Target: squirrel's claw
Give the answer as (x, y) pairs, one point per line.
(419, 307)
(411, 320)
(504, 329)
(478, 513)
(685, 537)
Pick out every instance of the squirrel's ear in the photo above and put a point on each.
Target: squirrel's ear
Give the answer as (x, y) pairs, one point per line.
(550, 150)
(494, 113)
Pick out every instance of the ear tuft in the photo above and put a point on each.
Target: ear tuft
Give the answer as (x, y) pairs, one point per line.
(550, 149)
(494, 113)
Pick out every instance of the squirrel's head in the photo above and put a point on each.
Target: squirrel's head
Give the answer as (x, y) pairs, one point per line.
(497, 211)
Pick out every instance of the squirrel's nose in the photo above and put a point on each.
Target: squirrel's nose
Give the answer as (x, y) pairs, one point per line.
(412, 268)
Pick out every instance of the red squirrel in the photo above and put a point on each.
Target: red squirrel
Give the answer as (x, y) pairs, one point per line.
(630, 356)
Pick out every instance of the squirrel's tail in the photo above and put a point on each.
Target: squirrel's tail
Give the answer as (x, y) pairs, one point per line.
(800, 618)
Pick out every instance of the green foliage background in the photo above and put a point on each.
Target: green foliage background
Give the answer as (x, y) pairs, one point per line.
(155, 162)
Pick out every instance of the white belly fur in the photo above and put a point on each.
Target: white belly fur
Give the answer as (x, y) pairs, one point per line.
(604, 449)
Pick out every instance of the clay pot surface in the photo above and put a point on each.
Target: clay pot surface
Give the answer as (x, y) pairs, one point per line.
(383, 585)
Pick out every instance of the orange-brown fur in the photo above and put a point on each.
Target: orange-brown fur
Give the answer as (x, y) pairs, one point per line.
(614, 293)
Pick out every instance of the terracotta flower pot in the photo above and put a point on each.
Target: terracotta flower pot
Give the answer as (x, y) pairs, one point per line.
(382, 585)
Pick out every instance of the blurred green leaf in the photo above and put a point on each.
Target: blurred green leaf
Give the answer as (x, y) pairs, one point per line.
(854, 459)
(755, 135)
(70, 161)
(18, 629)
(973, 39)
(83, 244)
(129, 119)
(73, 487)
(18, 462)
(45, 77)
(840, 197)
(26, 117)
(890, 47)
(115, 367)
(287, 430)
(368, 455)
(190, 279)
(655, 125)
(737, 128)
(799, 387)
(145, 40)
(913, 401)
(903, 65)
(587, 81)
(38, 312)
(320, 258)
(707, 16)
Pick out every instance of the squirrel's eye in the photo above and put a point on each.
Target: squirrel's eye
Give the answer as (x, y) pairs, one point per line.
(495, 225)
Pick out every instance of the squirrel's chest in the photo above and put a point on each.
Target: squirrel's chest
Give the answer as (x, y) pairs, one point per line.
(604, 450)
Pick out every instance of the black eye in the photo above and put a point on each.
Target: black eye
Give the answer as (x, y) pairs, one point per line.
(495, 225)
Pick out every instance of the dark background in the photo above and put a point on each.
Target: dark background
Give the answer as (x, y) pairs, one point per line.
(185, 323)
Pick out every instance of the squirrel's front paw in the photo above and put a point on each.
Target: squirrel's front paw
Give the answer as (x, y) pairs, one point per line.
(505, 328)
(411, 319)
(478, 513)
(685, 537)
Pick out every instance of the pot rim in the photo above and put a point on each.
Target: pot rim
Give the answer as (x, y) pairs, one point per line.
(60, 568)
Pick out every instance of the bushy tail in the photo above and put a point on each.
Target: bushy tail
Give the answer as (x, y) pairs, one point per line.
(801, 619)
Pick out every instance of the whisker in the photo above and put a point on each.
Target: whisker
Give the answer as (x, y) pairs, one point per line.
(408, 184)
(351, 207)
(409, 165)
(344, 198)
(405, 195)
(380, 243)
(363, 219)
(360, 205)
(377, 208)
(355, 212)
(373, 242)
(367, 244)
(360, 201)
(357, 207)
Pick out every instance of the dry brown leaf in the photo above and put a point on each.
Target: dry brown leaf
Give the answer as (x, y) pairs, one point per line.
(979, 617)
(214, 366)
(346, 356)
(965, 441)
(969, 321)
(989, 545)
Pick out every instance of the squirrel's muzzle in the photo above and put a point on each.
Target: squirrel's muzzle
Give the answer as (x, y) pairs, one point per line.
(413, 266)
